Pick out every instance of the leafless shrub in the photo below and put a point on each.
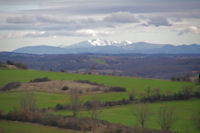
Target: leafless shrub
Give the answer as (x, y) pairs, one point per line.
(95, 109)
(187, 91)
(132, 95)
(157, 93)
(148, 92)
(28, 102)
(166, 117)
(75, 101)
(142, 114)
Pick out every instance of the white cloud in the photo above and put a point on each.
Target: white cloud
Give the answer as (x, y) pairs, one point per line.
(190, 29)
(91, 32)
(11, 35)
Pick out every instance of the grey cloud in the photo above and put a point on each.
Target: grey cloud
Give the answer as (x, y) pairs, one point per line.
(20, 20)
(48, 34)
(105, 6)
(18, 27)
(158, 21)
(121, 17)
(53, 19)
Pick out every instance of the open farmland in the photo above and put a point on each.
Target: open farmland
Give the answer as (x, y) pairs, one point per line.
(140, 84)
(117, 114)
(185, 111)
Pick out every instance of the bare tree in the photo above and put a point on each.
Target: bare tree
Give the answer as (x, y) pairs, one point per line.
(132, 95)
(75, 101)
(166, 117)
(28, 101)
(157, 93)
(95, 109)
(187, 91)
(168, 93)
(148, 92)
(142, 113)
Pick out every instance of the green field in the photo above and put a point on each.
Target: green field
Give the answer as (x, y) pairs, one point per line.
(21, 127)
(122, 114)
(139, 84)
(10, 99)
(118, 114)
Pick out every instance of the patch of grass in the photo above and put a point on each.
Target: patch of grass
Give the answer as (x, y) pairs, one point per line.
(122, 114)
(139, 84)
(44, 100)
(10, 99)
(21, 127)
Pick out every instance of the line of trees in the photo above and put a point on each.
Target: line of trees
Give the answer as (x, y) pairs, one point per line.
(150, 95)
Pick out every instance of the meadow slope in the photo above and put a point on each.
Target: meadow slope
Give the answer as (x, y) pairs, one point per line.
(184, 111)
(44, 99)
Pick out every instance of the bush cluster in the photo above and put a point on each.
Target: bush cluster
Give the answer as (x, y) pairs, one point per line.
(10, 86)
(116, 89)
(89, 82)
(40, 80)
(65, 88)
(59, 106)
(48, 119)
(181, 78)
(185, 94)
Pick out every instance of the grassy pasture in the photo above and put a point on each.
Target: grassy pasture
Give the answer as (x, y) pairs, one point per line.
(139, 84)
(10, 99)
(118, 114)
(21, 127)
(122, 114)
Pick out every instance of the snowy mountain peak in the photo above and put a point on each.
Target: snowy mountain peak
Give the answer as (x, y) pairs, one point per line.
(128, 42)
(97, 42)
(100, 42)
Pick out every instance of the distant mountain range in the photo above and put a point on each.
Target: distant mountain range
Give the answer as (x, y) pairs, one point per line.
(99, 46)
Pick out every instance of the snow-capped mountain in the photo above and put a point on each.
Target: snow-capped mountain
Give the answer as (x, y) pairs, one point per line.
(99, 46)
(99, 43)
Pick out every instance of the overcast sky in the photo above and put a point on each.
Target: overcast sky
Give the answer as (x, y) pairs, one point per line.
(64, 22)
